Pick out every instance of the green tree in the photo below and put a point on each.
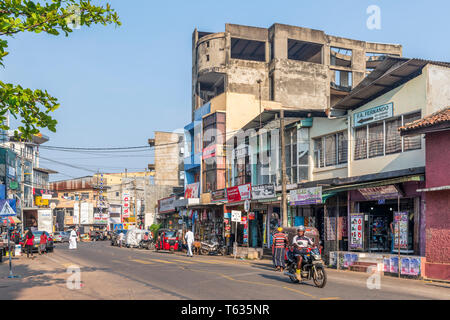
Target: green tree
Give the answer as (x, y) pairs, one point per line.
(33, 107)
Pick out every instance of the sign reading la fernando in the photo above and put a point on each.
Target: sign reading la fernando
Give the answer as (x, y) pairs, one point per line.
(374, 114)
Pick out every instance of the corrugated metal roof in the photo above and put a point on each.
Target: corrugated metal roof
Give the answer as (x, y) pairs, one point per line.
(391, 73)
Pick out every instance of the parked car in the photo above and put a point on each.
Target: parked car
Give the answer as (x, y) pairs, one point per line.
(61, 236)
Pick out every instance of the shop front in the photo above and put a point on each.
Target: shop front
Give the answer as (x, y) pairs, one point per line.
(259, 219)
(167, 212)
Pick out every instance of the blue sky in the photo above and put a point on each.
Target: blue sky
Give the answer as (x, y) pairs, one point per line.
(117, 86)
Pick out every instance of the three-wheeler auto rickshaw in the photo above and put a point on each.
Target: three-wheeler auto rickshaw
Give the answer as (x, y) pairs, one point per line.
(167, 240)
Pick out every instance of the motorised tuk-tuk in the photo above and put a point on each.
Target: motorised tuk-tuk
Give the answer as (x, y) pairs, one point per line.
(167, 240)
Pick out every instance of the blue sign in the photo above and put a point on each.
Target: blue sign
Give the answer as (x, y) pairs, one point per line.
(117, 226)
(202, 111)
(374, 114)
(381, 201)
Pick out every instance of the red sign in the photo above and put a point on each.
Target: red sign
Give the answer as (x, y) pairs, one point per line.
(239, 193)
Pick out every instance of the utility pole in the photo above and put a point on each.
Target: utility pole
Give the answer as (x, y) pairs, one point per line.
(22, 189)
(259, 81)
(283, 171)
(135, 208)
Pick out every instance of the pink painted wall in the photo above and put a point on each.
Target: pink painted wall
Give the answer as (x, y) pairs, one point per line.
(438, 159)
(437, 206)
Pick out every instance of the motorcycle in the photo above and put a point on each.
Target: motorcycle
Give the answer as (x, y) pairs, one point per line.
(146, 244)
(213, 246)
(312, 267)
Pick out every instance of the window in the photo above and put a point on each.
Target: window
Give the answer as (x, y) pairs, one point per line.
(330, 150)
(207, 57)
(341, 57)
(376, 140)
(248, 49)
(413, 142)
(304, 51)
(361, 143)
(383, 138)
(117, 194)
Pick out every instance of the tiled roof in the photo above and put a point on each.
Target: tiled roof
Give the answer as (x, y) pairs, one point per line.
(434, 119)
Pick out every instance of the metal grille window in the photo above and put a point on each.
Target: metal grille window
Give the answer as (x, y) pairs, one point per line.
(383, 138)
(330, 150)
(411, 142)
(393, 138)
(376, 140)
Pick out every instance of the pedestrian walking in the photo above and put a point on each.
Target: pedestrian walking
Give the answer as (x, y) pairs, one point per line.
(29, 242)
(279, 244)
(73, 240)
(189, 236)
(121, 237)
(43, 243)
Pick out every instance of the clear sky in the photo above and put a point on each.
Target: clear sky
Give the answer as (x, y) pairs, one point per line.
(117, 86)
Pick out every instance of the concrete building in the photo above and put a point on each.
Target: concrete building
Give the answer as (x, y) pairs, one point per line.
(298, 67)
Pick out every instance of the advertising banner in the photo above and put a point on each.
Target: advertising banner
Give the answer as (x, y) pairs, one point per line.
(263, 191)
(379, 193)
(239, 193)
(86, 213)
(219, 195)
(414, 266)
(357, 231)
(401, 221)
(76, 213)
(394, 265)
(166, 205)
(301, 197)
(126, 204)
(45, 220)
(192, 191)
(405, 266)
(387, 264)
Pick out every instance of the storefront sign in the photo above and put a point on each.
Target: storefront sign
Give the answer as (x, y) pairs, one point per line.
(166, 205)
(380, 193)
(45, 193)
(125, 204)
(209, 152)
(374, 114)
(401, 221)
(219, 195)
(239, 193)
(251, 216)
(306, 196)
(263, 191)
(357, 231)
(192, 191)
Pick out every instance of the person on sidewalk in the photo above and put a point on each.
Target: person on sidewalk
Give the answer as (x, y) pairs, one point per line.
(43, 244)
(279, 245)
(73, 240)
(189, 236)
(121, 237)
(29, 242)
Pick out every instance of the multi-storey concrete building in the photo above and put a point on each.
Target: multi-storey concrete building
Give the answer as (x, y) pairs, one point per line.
(299, 67)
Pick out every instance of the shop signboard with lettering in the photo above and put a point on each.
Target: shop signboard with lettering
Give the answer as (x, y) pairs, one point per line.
(401, 221)
(306, 196)
(373, 114)
(357, 231)
(380, 193)
(239, 193)
(263, 191)
(166, 205)
(125, 204)
(219, 195)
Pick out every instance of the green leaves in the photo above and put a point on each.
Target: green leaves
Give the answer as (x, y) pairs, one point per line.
(33, 107)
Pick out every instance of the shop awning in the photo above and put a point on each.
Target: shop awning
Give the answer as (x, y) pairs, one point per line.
(443, 188)
(12, 220)
(372, 184)
(327, 195)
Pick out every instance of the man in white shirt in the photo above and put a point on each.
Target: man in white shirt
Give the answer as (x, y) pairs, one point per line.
(121, 237)
(189, 236)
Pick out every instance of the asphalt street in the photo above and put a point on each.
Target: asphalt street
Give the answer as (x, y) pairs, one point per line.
(121, 273)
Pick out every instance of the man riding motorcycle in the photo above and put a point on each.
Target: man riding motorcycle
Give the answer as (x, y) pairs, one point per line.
(300, 243)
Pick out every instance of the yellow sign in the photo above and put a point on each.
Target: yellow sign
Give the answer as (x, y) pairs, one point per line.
(41, 202)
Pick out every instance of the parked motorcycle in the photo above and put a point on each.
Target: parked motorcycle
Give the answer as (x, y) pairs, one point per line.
(312, 267)
(146, 244)
(213, 247)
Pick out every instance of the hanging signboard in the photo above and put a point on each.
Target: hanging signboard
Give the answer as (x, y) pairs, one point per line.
(125, 204)
(357, 231)
(219, 195)
(374, 114)
(380, 193)
(239, 193)
(306, 196)
(192, 191)
(166, 205)
(401, 221)
(263, 191)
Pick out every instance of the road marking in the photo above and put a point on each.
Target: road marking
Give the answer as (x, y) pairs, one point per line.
(142, 261)
(163, 261)
(304, 293)
(182, 261)
(330, 298)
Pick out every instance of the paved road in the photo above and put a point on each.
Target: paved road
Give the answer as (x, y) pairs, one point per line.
(119, 273)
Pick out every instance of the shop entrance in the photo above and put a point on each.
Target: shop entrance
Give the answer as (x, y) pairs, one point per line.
(379, 226)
